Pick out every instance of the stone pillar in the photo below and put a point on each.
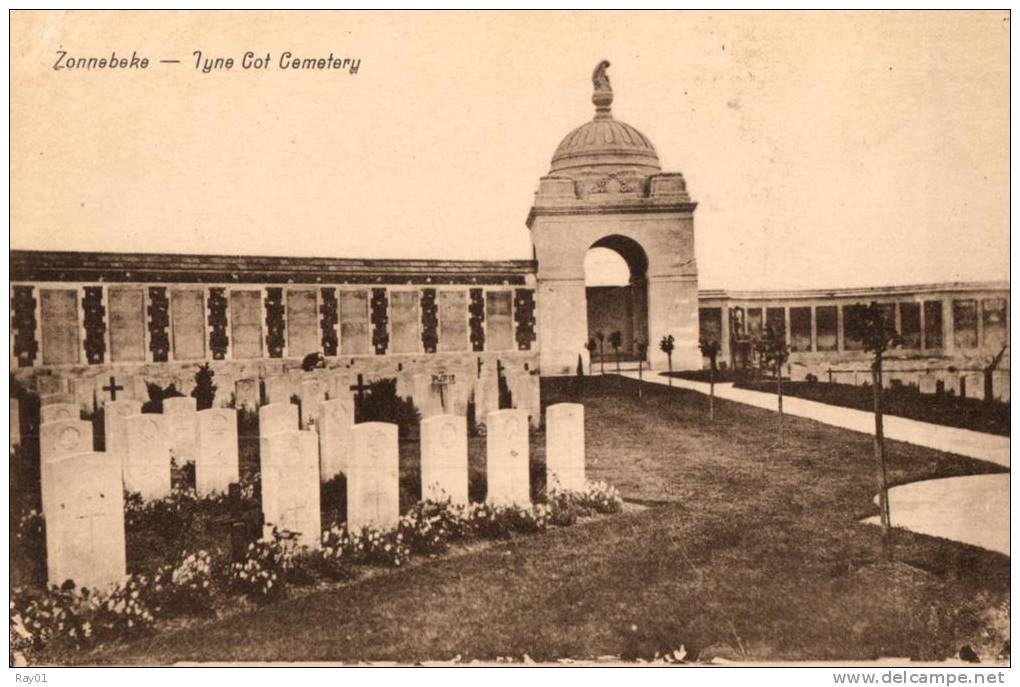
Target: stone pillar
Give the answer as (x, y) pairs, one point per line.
(840, 326)
(948, 340)
(814, 330)
(673, 309)
(562, 325)
(724, 345)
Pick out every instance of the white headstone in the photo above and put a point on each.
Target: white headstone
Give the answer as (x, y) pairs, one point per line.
(58, 439)
(336, 417)
(926, 384)
(313, 393)
(183, 427)
(275, 418)
(85, 539)
(373, 479)
(486, 395)
(564, 446)
(46, 384)
(290, 485)
(15, 422)
(506, 444)
(216, 464)
(278, 390)
(444, 458)
(147, 458)
(246, 394)
(114, 414)
(524, 387)
(224, 390)
(59, 398)
(428, 397)
(84, 392)
(58, 411)
(1000, 386)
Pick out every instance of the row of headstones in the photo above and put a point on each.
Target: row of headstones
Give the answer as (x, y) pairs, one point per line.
(82, 490)
(295, 461)
(317, 385)
(144, 443)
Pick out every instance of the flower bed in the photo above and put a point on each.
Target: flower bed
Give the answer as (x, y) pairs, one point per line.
(70, 618)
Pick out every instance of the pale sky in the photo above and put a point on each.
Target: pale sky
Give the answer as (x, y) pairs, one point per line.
(824, 149)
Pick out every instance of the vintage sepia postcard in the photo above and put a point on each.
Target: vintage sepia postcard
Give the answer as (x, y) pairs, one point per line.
(510, 338)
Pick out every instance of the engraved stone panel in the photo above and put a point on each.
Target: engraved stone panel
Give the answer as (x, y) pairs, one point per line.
(373, 491)
(444, 459)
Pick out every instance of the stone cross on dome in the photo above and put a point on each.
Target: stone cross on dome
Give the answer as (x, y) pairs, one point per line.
(603, 95)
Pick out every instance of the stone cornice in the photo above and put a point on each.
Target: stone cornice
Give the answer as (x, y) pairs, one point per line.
(854, 292)
(608, 209)
(58, 266)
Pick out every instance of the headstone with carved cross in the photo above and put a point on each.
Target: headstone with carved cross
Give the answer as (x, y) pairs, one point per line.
(564, 446)
(147, 457)
(336, 417)
(85, 539)
(313, 393)
(216, 462)
(444, 458)
(183, 427)
(506, 443)
(290, 485)
(58, 439)
(114, 415)
(54, 412)
(373, 480)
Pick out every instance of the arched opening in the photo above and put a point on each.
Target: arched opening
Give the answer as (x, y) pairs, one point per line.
(616, 286)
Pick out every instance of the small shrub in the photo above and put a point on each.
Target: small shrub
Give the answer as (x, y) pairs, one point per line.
(383, 405)
(374, 547)
(125, 612)
(260, 575)
(204, 392)
(186, 588)
(487, 522)
(336, 555)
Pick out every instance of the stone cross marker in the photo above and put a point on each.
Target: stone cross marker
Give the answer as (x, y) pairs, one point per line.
(147, 458)
(216, 464)
(313, 393)
(57, 440)
(444, 458)
(114, 414)
(506, 444)
(564, 446)
(183, 427)
(373, 480)
(85, 539)
(335, 420)
(290, 485)
(58, 411)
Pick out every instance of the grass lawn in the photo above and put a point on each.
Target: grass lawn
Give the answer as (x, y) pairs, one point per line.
(747, 550)
(904, 401)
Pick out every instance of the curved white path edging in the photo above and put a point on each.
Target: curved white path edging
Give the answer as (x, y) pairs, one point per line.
(964, 442)
(973, 509)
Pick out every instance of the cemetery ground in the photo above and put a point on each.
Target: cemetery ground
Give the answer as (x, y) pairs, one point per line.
(743, 548)
(901, 400)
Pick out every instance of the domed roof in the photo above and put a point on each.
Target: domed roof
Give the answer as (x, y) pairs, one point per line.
(604, 144)
(601, 142)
